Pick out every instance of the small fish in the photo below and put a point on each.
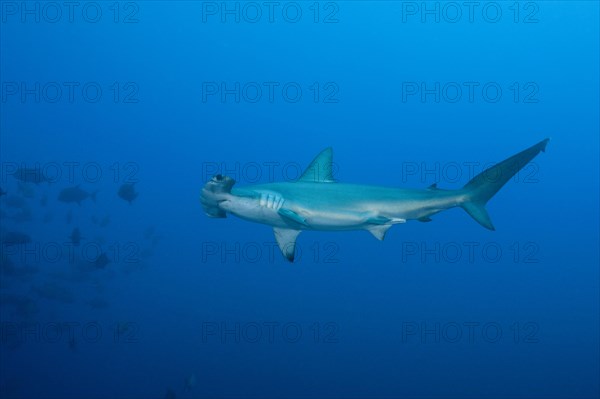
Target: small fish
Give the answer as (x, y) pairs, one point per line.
(48, 217)
(73, 344)
(55, 292)
(123, 328)
(69, 216)
(127, 192)
(101, 261)
(8, 269)
(24, 215)
(30, 175)
(97, 303)
(15, 201)
(105, 221)
(15, 238)
(26, 190)
(75, 194)
(149, 232)
(190, 382)
(75, 237)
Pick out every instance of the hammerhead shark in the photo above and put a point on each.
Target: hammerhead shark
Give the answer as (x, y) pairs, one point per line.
(317, 202)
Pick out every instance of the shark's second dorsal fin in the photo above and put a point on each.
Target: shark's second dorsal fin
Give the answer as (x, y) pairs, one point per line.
(320, 169)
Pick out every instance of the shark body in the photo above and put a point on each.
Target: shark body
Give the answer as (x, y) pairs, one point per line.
(317, 202)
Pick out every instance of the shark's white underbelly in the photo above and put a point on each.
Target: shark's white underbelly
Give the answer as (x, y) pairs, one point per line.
(273, 209)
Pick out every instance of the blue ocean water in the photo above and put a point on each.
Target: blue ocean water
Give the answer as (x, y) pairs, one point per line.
(163, 95)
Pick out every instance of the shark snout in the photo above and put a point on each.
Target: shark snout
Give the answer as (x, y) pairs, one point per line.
(216, 191)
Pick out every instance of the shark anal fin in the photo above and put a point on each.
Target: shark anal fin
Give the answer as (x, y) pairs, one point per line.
(286, 239)
(291, 216)
(379, 230)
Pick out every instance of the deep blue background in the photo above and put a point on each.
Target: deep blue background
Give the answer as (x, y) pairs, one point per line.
(367, 292)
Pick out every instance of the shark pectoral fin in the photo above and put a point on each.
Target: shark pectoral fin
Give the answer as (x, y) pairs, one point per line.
(286, 239)
(379, 230)
(291, 216)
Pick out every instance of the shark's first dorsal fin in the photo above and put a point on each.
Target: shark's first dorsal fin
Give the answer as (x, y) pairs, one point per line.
(286, 239)
(320, 169)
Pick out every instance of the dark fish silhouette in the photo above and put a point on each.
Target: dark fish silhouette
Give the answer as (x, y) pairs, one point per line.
(24, 306)
(149, 232)
(9, 269)
(26, 190)
(15, 201)
(127, 192)
(190, 382)
(15, 238)
(2, 192)
(55, 292)
(101, 261)
(75, 194)
(24, 215)
(97, 303)
(30, 175)
(105, 221)
(73, 344)
(75, 237)
(170, 394)
(48, 217)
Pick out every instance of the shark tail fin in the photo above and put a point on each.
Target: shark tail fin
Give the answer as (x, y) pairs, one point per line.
(480, 189)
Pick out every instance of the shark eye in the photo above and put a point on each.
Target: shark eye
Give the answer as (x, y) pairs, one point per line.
(218, 177)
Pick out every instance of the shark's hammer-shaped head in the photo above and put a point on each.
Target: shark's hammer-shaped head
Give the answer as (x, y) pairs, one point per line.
(217, 190)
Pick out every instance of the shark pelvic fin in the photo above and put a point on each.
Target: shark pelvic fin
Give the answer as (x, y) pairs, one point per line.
(286, 239)
(379, 230)
(320, 169)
